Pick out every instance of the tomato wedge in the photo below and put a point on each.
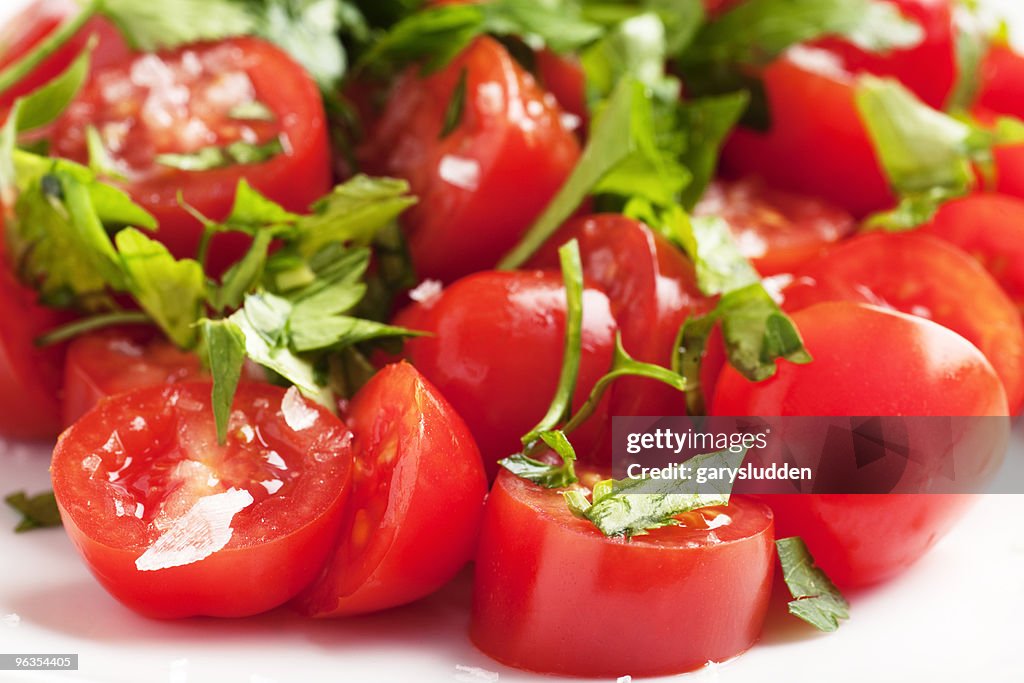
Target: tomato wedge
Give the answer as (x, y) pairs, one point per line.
(552, 593)
(174, 525)
(417, 498)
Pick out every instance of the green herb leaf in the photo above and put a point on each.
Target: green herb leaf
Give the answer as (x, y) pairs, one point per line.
(149, 26)
(816, 599)
(38, 511)
(544, 474)
(708, 122)
(224, 346)
(43, 105)
(244, 276)
(457, 105)
(251, 111)
(208, 158)
(636, 47)
(100, 161)
(14, 72)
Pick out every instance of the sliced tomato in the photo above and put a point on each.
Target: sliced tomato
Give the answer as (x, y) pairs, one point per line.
(195, 98)
(552, 593)
(1002, 82)
(869, 361)
(775, 229)
(817, 144)
(652, 288)
(417, 499)
(37, 21)
(924, 276)
(495, 352)
(483, 183)
(175, 525)
(989, 227)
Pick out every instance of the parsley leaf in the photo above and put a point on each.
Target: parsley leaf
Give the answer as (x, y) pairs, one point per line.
(38, 511)
(545, 474)
(224, 346)
(149, 26)
(46, 103)
(208, 158)
(816, 600)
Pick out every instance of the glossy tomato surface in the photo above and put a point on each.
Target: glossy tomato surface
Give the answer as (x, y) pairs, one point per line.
(482, 183)
(417, 498)
(869, 361)
(1002, 82)
(195, 98)
(175, 525)
(495, 352)
(777, 230)
(554, 595)
(924, 276)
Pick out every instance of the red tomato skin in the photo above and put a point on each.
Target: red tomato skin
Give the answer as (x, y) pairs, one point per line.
(821, 150)
(496, 353)
(1010, 170)
(929, 69)
(921, 275)
(294, 178)
(989, 227)
(511, 153)
(1002, 82)
(37, 21)
(868, 361)
(563, 77)
(232, 582)
(551, 592)
(434, 500)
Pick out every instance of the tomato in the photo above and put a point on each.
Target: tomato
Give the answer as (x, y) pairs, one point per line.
(174, 525)
(928, 68)
(482, 185)
(29, 375)
(868, 361)
(1002, 82)
(496, 350)
(921, 275)
(563, 76)
(822, 150)
(417, 499)
(989, 227)
(775, 229)
(552, 593)
(37, 21)
(1010, 169)
(183, 101)
(652, 288)
(114, 362)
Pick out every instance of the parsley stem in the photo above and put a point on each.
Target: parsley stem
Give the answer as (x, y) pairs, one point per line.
(22, 67)
(97, 322)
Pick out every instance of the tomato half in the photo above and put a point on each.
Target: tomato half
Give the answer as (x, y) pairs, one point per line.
(1002, 82)
(868, 361)
(418, 489)
(820, 149)
(775, 229)
(921, 275)
(175, 525)
(495, 352)
(196, 98)
(989, 227)
(552, 593)
(481, 185)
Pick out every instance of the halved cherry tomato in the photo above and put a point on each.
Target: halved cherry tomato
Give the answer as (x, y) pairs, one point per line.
(1002, 82)
(652, 288)
(924, 276)
(775, 229)
(495, 351)
(194, 98)
(869, 361)
(821, 150)
(552, 594)
(481, 185)
(175, 525)
(417, 499)
(989, 227)
(37, 21)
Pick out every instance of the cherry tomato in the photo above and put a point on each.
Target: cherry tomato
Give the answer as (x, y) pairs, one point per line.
(496, 350)
(1002, 82)
(175, 525)
(868, 361)
(114, 362)
(921, 275)
(989, 227)
(481, 185)
(552, 593)
(564, 78)
(1009, 161)
(37, 21)
(820, 149)
(928, 68)
(194, 98)
(652, 289)
(417, 499)
(775, 229)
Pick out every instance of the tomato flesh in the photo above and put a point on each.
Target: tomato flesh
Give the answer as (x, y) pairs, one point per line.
(174, 525)
(552, 593)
